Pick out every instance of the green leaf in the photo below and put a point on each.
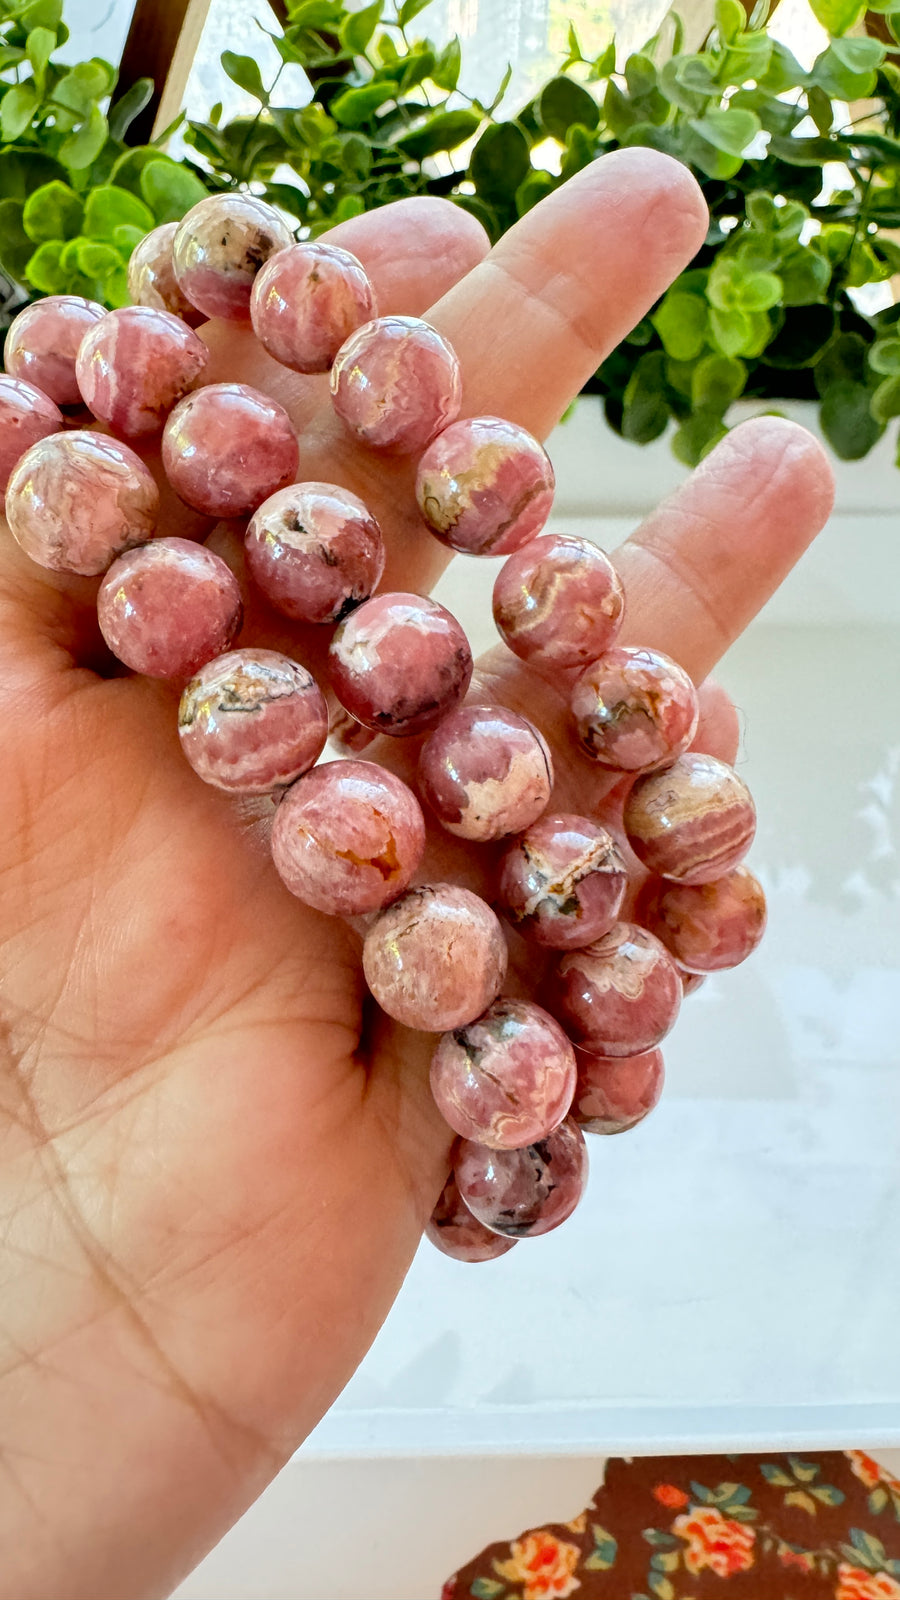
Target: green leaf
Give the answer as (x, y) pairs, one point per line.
(244, 71)
(847, 69)
(40, 44)
(354, 107)
(847, 421)
(697, 435)
(82, 148)
(837, 16)
(41, 14)
(500, 161)
(665, 1561)
(315, 13)
(126, 238)
(95, 259)
(411, 9)
(884, 356)
(16, 110)
(563, 103)
(109, 207)
(357, 29)
(128, 106)
(603, 1555)
(580, 151)
(759, 291)
(844, 360)
(730, 20)
(84, 85)
(445, 72)
(604, 64)
(731, 330)
(660, 1540)
(804, 275)
(681, 322)
(532, 190)
(826, 1493)
(878, 1499)
(646, 411)
(16, 249)
(717, 381)
(820, 108)
(45, 270)
(487, 1589)
(53, 211)
(170, 189)
(444, 131)
(662, 1587)
(730, 130)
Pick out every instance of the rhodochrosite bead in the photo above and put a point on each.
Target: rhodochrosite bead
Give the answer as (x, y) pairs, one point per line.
(436, 959)
(454, 1230)
(168, 608)
(348, 837)
(506, 1079)
(219, 247)
(77, 500)
(693, 822)
(614, 1095)
(399, 663)
(706, 926)
(252, 721)
(620, 995)
(227, 447)
(485, 772)
(563, 882)
(134, 364)
(43, 341)
(151, 276)
(306, 301)
(396, 383)
(485, 486)
(523, 1193)
(315, 551)
(558, 602)
(635, 709)
(26, 415)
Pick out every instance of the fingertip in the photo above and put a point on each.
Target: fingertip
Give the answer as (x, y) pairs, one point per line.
(414, 250)
(675, 212)
(792, 457)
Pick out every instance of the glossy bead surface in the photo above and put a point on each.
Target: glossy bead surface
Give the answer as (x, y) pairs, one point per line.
(707, 927)
(399, 663)
(618, 996)
(524, 1193)
(42, 344)
(635, 709)
(315, 551)
(614, 1095)
(26, 416)
(693, 822)
(135, 364)
(558, 602)
(454, 1230)
(77, 500)
(396, 383)
(227, 448)
(151, 276)
(506, 1079)
(485, 772)
(168, 608)
(219, 247)
(306, 301)
(348, 837)
(562, 884)
(252, 721)
(485, 486)
(436, 959)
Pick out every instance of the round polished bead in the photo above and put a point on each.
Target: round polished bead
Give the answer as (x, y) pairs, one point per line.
(348, 837)
(485, 486)
(615, 1094)
(506, 1079)
(306, 301)
(707, 927)
(396, 383)
(168, 608)
(151, 276)
(693, 822)
(399, 663)
(454, 1230)
(620, 995)
(252, 721)
(486, 772)
(135, 364)
(219, 247)
(524, 1193)
(635, 709)
(227, 448)
(76, 500)
(558, 602)
(436, 959)
(315, 551)
(43, 340)
(562, 884)
(26, 416)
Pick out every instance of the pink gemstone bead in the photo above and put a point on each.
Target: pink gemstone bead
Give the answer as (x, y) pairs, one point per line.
(134, 364)
(693, 822)
(524, 1193)
(76, 500)
(454, 1230)
(706, 926)
(506, 1079)
(315, 551)
(486, 772)
(614, 1095)
(168, 608)
(562, 884)
(635, 709)
(252, 721)
(26, 415)
(306, 301)
(219, 247)
(485, 486)
(348, 837)
(620, 995)
(151, 276)
(396, 383)
(399, 663)
(43, 341)
(227, 448)
(436, 959)
(558, 602)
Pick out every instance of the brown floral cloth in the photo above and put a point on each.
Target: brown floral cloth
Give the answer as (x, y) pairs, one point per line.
(824, 1527)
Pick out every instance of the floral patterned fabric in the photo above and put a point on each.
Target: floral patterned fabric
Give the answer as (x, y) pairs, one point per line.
(824, 1527)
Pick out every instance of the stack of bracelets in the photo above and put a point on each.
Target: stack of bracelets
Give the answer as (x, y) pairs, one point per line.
(518, 1083)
